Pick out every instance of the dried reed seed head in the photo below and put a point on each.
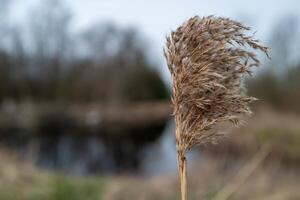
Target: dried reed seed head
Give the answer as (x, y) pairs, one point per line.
(208, 58)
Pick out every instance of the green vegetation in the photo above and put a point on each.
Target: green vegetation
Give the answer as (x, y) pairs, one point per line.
(54, 188)
(64, 188)
(211, 193)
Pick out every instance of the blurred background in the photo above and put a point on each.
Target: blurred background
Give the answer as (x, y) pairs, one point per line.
(85, 108)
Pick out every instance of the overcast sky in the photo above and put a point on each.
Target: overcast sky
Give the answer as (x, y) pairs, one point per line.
(156, 18)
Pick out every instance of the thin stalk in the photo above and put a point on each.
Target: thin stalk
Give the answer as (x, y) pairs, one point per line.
(182, 167)
(242, 176)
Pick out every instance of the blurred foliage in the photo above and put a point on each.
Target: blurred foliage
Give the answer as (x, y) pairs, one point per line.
(142, 84)
(56, 188)
(280, 91)
(279, 84)
(211, 193)
(63, 189)
(284, 142)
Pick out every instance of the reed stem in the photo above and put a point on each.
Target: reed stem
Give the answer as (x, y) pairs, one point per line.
(182, 163)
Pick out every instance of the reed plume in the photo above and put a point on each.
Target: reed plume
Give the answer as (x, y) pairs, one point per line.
(208, 58)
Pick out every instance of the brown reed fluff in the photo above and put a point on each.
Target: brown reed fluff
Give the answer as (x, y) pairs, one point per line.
(208, 58)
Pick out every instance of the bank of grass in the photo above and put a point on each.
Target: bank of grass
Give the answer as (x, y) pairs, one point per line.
(284, 142)
(54, 188)
(21, 181)
(280, 131)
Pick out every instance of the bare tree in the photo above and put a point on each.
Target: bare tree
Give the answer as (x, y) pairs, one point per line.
(283, 42)
(4, 11)
(51, 42)
(101, 41)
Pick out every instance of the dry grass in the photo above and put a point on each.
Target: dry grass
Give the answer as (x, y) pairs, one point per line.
(208, 177)
(208, 58)
(278, 129)
(19, 180)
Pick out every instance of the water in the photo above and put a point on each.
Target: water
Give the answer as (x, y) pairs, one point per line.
(161, 158)
(144, 153)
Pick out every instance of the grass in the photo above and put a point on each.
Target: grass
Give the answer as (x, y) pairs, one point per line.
(56, 188)
(284, 141)
(66, 188)
(20, 181)
(281, 131)
(211, 193)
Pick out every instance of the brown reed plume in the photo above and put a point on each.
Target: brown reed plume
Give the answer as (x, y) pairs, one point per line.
(208, 58)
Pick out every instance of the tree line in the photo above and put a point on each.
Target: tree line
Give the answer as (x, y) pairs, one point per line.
(44, 60)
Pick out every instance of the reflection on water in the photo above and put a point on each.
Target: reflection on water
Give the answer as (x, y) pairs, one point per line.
(80, 154)
(75, 154)
(160, 158)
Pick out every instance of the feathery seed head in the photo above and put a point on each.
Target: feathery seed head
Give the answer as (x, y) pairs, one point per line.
(208, 58)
